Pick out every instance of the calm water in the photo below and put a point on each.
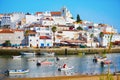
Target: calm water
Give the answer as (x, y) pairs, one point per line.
(82, 65)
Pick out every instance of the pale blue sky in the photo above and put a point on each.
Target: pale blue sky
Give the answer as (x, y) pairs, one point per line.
(98, 11)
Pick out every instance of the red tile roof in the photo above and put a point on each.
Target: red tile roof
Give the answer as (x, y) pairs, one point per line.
(6, 31)
(108, 32)
(38, 13)
(55, 13)
(44, 37)
(31, 32)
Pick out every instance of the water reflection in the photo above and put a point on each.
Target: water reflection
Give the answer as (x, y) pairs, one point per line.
(82, 65)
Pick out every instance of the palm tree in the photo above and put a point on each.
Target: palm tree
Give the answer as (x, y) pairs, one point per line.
(54, 29)
(79, 28)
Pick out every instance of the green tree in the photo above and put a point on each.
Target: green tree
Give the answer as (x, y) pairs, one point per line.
(7, 43)
(54, 29)
(78, 18)
(79, 28)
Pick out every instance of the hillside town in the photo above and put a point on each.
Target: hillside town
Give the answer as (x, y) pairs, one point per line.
(54, 28)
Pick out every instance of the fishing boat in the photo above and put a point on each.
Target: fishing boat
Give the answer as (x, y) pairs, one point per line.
(18, 71)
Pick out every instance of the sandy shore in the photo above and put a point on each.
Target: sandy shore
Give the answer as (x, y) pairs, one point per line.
(66, 78)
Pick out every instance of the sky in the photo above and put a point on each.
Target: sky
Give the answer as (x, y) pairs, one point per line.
(97, 11)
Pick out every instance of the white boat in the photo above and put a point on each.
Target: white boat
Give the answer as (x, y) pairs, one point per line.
(65, 69)
(61, 58)
(20, 71)
(118, 72)
(101, 59)
(49, 54)
(16, 57)
(28, 53)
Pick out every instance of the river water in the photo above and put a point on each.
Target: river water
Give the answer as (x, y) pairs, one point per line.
(81, 65)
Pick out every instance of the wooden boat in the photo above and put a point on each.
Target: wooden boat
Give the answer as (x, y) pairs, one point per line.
(18, 71)
(16, 57)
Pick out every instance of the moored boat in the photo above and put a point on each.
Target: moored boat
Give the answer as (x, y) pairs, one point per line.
(65, 68)
(106, 62)
(28, 53)
(16, 57)
(49, 54)
(99, 59)
(18, 71)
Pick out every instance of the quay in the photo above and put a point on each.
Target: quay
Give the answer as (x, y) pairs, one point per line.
(59, 51)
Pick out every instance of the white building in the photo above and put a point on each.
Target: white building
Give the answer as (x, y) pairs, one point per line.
(6, 20)
(15, 36)
(39, 36)
(106, 39)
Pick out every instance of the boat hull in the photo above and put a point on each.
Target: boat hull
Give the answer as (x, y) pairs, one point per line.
(18, 71)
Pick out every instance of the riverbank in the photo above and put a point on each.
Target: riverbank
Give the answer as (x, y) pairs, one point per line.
(67, 78)
(58, 51)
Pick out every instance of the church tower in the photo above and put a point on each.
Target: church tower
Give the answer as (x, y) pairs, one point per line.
(65, 12)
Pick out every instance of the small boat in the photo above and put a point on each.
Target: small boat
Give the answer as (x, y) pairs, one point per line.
(118, 72)
(44, 63)
(64, 68)
(61, 58)
(16, 57)
(28, 53)
(99, 59)
(39, 63)
(106, 62)
(18, 71)
(49, 54)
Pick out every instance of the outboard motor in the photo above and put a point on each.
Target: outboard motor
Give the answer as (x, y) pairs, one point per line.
(59, 69)
(38, 64)
(95, 60)
(102, 64)
(57, 59)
